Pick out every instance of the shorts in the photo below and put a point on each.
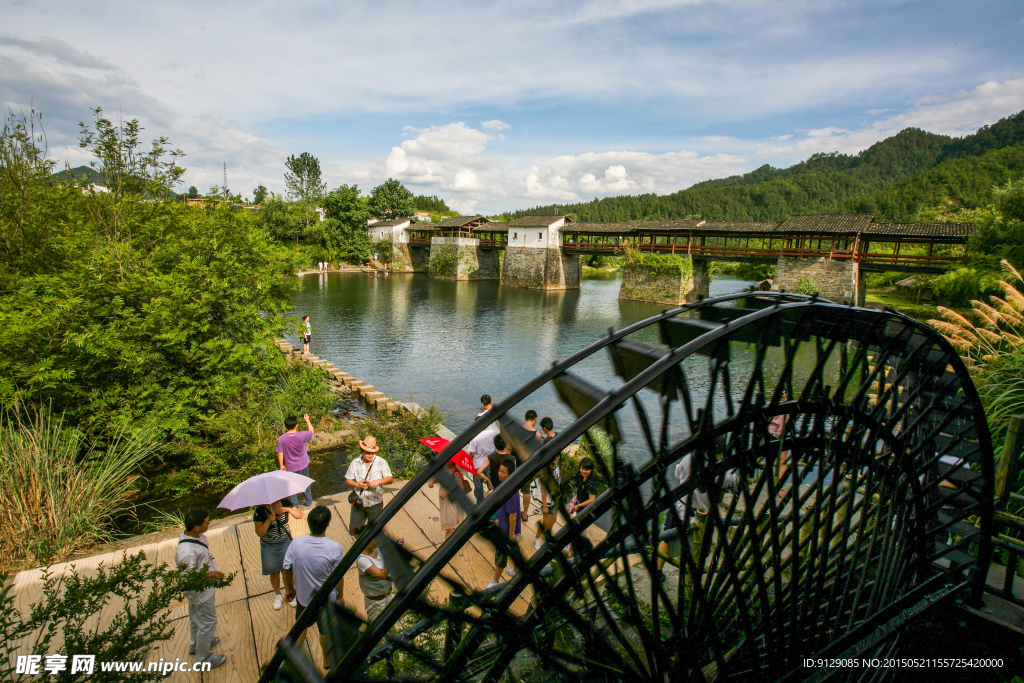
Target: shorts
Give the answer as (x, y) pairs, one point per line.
(500, 558)
(527, 487)
(305, 339)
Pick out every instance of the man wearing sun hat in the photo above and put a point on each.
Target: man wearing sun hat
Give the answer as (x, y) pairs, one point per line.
(368, 474)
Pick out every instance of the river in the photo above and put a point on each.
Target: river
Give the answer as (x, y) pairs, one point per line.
(437, 341)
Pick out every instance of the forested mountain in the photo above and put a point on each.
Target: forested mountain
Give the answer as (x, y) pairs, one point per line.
(894, 179)
(80, 174)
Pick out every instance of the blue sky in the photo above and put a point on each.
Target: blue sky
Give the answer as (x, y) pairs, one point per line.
(498, 106)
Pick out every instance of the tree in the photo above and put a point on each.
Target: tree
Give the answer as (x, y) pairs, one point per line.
(348, 213)
(193, 192)
(259, 194)
(391, 199)
(304, 183)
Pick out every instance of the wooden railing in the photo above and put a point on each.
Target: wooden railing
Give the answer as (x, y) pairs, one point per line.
(774, 252)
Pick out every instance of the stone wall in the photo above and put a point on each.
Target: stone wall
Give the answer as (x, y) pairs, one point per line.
(406, 259)
(461, 258)
(839, 281)
(688, 283)
(540, 268)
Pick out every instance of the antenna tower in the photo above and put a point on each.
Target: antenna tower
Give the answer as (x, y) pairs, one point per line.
(225, 177)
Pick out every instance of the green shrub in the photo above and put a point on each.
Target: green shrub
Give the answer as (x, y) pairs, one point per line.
(960, 286)
(61, 492)
(385, 251)
(67, 614)
(241, 440)
(806, 286)
(754, 271)
(398, 438)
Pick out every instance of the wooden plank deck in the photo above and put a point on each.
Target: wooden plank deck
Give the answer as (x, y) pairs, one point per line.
(248, 626)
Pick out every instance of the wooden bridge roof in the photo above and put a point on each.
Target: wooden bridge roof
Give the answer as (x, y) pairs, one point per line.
(537, 221)
(810, 224)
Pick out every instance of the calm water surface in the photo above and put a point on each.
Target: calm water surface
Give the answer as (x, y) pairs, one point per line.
(437, 341)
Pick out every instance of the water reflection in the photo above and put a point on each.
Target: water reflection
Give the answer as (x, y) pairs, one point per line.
(437, 341)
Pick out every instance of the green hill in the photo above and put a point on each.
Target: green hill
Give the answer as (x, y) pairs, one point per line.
(79, 174)
(894, 179)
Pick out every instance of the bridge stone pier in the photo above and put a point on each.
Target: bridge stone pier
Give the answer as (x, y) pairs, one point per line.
(534, 256)
(840, 281)
(667, 280)
(462, 258)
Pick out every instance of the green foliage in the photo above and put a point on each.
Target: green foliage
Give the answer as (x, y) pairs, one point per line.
(142, 313)
(959, 286)
(258, 194)
(391, 199)
(304, 183)
(806, 286)
(989, 339)
(603, 261)
(385, 251)
(127, 170)
(32, 209)
(754, 271)
(430, 204)
(444, 261)
(280, 220)
(398, 438)
(240, 441)
(61, 492)
(65, 617)
(349, 212)
(657, 265)
(882, 280)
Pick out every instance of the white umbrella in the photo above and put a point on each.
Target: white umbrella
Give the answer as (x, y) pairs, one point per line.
(264, 489)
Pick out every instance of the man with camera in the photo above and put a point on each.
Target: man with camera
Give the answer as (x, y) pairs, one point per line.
(367, 474)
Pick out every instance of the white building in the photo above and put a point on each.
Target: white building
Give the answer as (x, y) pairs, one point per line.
(397, 230)
(536, 232)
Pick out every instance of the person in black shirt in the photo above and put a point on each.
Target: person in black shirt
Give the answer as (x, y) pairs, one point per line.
(501, 451)
(586, 487)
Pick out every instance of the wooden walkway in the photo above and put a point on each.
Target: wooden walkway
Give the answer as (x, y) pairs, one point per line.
(247, 624)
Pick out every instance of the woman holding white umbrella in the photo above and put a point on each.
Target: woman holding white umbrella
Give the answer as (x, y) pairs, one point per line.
(271, 523)
(270, 518)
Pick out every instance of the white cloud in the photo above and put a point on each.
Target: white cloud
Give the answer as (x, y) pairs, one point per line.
(573, 178)
(957, 115)
(495, 125)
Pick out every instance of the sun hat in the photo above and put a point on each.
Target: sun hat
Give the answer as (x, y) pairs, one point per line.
(369, 444)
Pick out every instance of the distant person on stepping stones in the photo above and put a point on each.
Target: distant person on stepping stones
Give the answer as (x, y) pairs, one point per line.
(292, 455)
(194, 551)
(305, 332)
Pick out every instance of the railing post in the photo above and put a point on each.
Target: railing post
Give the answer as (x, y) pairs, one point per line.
(453, 634)
(1009, 461)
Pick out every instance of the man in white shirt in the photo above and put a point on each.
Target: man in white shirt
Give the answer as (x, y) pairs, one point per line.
(368, 474)
(194, 551)
(307, 564)
(479, 448)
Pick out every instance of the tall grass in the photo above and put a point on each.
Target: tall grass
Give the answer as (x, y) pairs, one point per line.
(990, 339)
(61, 493)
